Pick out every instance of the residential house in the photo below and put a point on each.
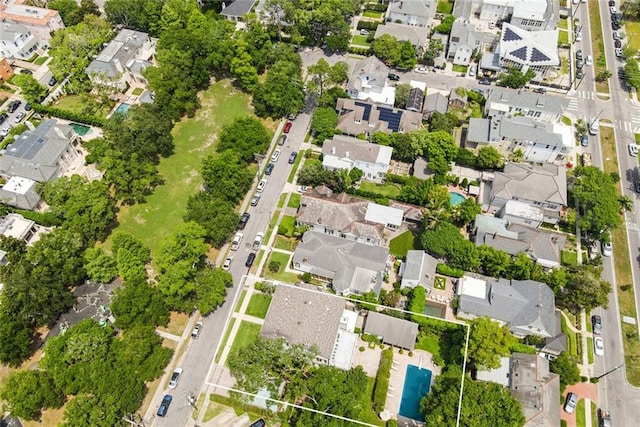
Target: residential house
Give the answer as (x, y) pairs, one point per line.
(528, 50)
(20, 193)
(122, 61)
(351, 267)
(435, 102)
(41, 154)
(366, 118)
(539, 141)
(42, 22)
(16, 226)
(457, 98)
(416, 36)
(415, 100)
(532, 383)
(540, 245)
(6, 70)
(526, 307)
(391, 330)
(346, 216)
(531, 15)
(417, 13)
(346, 152)
(411, 214)
(235, 10)
(419, 268)
(464, 41)
(368, 81)
(514, 102)
(315, 320)
(541, 186)
(17, 40)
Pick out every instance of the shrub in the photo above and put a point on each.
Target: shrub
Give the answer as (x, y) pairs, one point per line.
(376, 7)
(594, 380)
(274, 266)
(367, 25)
(445, 270)
(68, 115)
(361, 349)
(392, 423)
(382, 380)
(306, 277)
(410, 354)
(584, 379)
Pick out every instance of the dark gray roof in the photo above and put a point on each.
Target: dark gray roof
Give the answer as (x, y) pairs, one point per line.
(397, 332)
(436, 102)
(417, 36)
(357, 117)
(353, 267)
(536, 388)
(35, 153)
(121, 52)
(237, 8)
(525, 100)
(303, 316)
(526, 306)
(416, 99)
(545, 183)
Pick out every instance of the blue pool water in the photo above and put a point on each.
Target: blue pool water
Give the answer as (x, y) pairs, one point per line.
(123, 108)
(417, 383)
(456, 198)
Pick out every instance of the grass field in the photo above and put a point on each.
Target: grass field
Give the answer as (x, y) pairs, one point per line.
(430, 344)
(194, 139)
(258, 305)
(624, 279)
(388, 190)
(281, 200)
(459, 68)
(633, 34)
(401, 244)
(599, 59)
(247, 333)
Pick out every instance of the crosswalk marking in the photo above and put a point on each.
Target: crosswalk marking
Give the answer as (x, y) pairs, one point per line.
(573, 104)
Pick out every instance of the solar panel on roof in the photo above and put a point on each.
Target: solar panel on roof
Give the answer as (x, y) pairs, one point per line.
(520, 53)
(537, 56)
(392, 119)
(510, 35)
(367, 110)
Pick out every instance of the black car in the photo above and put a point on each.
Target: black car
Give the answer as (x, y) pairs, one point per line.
(258, 423)
(617, 43)
(393, 77)
(28, 107)
(250, 259)
(612, 3)
(579, 74)
(596, 321)
(615, 25)
(638, 187)
(540, 90)
(485, 82)
(25, 71)
(14, 106)
(244, 219)
(52, 81)
(269, 169)
(164, 406)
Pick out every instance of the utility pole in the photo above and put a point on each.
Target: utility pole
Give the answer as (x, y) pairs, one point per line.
(596, 119)
(610, 371)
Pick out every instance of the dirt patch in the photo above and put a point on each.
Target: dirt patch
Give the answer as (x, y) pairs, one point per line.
(177, 323)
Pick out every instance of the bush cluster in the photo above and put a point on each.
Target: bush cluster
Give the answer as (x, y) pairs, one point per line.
(445, 270)
(382, 380)
(69, 115)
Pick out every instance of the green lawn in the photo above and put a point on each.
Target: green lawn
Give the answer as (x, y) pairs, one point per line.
(360, 40)
(285, 243)
(243, 294)
(633, 33)
(287, 225)
(569, 258)
(41, 60)
(444, 6)
(137, 91)
(572, 347)
(258, 305)
(399, 246)
(459, 68)
(281, 200)
(372, 14)
(194, 139)
(581, 419)
(597, 43)
(247, 333)
(281, 274)
(388, 190)
(430, 344)
(226, 337)
(76, 104)
(294, 200)
(294, 169)
(590, 356)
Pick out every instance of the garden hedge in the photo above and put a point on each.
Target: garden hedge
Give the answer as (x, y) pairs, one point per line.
(382, 380)
(69, 115)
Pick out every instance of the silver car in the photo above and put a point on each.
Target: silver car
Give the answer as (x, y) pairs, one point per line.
(173, 383)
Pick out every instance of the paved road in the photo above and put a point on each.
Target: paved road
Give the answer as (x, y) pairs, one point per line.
(199, 353)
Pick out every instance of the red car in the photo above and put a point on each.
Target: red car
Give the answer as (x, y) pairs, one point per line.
(287, 127)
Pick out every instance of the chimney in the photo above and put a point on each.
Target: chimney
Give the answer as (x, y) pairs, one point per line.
(333, 150)
(346, 154)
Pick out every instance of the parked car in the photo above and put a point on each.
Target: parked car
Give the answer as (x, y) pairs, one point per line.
(594, 127)
(20, 116)
(282, 139)
(615, 25)
(269, 169)
(613, 10)
(421, 70)
(292, 157)
(52, 81)
(579, 64)
(588, 60)
(275, 156)
(584, 141)
(607, 249)
(28, 107)
(244, 219)
(227, 263)
(14, 106)
(175, 377)
(25, 71)
(287, 127)
(235, 244)
(605, 418)
(540, 90)
(196, 330)
(579, 54)
(618, 52)
(6, 130)
(617, 44)
(164, 406)
(257, 241)
(472, 70)
(633, 150)
(492, 25)
(261, 185)
(612, 3)
(364, 32)
(570, 404)
(596, 323)
(616, 35)
(393, 77)
(302, 189)
(578, 36)
(637, 186)
(598, 346)
(485, 82)
(579, 74)
(258, 423)
(250, 259)
(255, 199)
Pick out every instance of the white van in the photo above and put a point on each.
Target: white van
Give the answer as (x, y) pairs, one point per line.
(235, 245)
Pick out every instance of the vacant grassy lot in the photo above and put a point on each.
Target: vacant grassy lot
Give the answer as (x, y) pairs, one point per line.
(388, 190)
(400, 245)
(194, 138)
(599, 59)
(247, 333)
(258, 305)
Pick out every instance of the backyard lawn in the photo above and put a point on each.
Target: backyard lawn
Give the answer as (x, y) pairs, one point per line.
(247, 333)
(284, 243)
(444, 6)
(360, 40)
(400, 245)
(372, 14)
(76, 104)
(388, 190)
(194, 138)
(258, 305)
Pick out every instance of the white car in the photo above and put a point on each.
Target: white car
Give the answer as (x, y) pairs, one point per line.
(257, 241)
(588, 60)
(227, 263)
(302, 189)
(598, 346)
(421, 70)
(607, 249)
(235, 244)
(633, 150)
(492, 25)
(20, 116)
(196, 330)
(619, 52)
(275, 156)
(173, 383)
(261, 186)
(579, 36)
(472, 70)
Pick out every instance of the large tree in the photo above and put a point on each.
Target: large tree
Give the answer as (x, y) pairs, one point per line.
(585, 289)
(226, 176)
(218, 217)
(211, 289)
(282, 92)
(514, 78)
(245, 136)
(29, 392)
(142, 15)
(488, 342)
(323, 123)
(139, 303)
(565, 366)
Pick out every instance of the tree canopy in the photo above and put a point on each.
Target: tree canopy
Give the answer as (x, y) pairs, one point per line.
(515, 79)
(488, 342)
(245, 136)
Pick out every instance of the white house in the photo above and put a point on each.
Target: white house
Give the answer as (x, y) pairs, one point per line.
(17, 40)
(528, 50)
(464, 40)
(532, 15)
(346, 152)
(513, 102)
(418, 13)
(368, 81)
(42, 22)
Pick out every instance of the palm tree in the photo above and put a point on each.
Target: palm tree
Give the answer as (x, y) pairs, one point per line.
(626, 204)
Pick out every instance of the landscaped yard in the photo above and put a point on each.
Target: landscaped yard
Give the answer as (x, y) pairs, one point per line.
(194, 138)
(444, 6)
(287, 225)
(400, 245)
(388, 190)
(360, 40)
(372, 14)
(430, 344)
(281, 274)
(258, 305)
(440, 283)
(247, 333)
(580, 415)
(41, 60)
(285, 243)
(572, 346)
(294, 200)
(76, 104)
(459, 68)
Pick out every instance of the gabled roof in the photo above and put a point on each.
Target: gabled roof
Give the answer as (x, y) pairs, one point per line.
(10, 31)
(397, 332)
(353, 267)
(417, 36)
(502, 98)
(418, 8)
(465, 34)
(532, 48)
(536, 388)
(436, 102)
(357, 150)
(546, 183)
(121, 53)
(357, 117)
(304, 316)
(371, 67)
(420, 266)
(415, 100)
(237, 8)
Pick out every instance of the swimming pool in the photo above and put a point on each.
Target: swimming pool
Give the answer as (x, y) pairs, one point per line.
(456, 198)
(122, 108)
(417, 383)
(435, 310)
(80, 129)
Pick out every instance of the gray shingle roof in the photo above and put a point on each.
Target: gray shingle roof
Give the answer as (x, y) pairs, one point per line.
(546, 183)
(416, 99)
(525, 100)
(238, 8)
(526, 306)
(397, 332)
(365, 151)
(303, 316)
(417, 36)
(119, 54)
(420, 266)
(420, 8)
(353, 267)
(35, 153)
(371, 66)
(436, 102)
(536, 388)
(357, 117)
